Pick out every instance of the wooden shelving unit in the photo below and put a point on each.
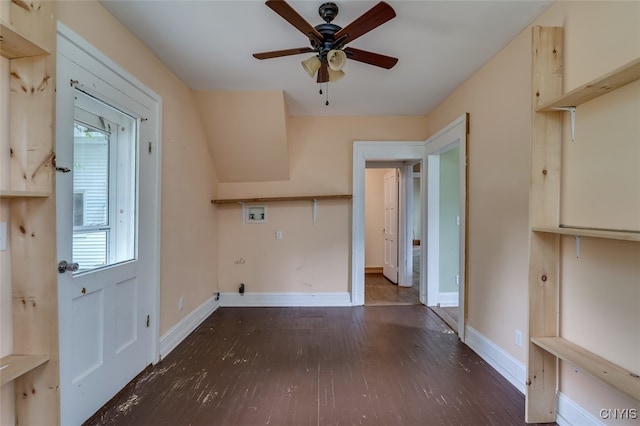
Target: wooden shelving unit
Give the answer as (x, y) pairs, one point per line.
(29, 42)
(622, 76)
(7, 195)
(14, 45)
(272, 199)
(590, 232)
(615, 376)
(14, 366)
(546, 345)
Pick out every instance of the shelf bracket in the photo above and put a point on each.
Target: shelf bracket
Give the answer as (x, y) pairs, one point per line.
(315, 210)
(572, 111)
(578, 241)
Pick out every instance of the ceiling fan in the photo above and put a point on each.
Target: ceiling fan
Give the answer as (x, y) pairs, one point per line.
(328, 40)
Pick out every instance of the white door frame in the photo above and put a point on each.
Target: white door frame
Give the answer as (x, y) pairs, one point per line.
(452, 136)
(379, 154)
(92, 61)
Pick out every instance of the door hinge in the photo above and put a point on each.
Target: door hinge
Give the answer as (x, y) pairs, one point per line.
(148, 320)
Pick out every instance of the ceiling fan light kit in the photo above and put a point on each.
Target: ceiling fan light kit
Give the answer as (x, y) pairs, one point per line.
(328, 40)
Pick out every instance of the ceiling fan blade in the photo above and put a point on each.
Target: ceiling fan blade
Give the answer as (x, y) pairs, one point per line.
(283, 9)
(374, 17)
(370, 58)
(323, 73)
(286, 52)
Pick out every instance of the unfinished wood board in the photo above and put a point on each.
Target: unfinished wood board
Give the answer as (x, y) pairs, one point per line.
(614, 80)
(546, 127)
(14, 45)
(13, 366)
(547, 65)
(625, 381)
(24, 194)
(591, 232)
(293, 198)
(32, 103)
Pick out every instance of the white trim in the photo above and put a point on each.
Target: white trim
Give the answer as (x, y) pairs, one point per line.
(451, 136)
(448, 298)
(176, 334)
(284, 299)
(569, 413)
(373, 152)
(432, 188)
(509, 367)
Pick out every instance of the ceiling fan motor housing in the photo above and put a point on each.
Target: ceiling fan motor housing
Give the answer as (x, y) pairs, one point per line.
(328, 11)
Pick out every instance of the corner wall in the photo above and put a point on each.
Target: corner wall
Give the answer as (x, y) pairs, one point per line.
(599, 37)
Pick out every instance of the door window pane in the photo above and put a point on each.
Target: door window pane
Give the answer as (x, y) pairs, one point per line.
(104, 185)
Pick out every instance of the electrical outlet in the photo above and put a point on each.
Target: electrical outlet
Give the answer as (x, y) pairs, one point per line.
(518, 338)
(180, 303)
(278, 235)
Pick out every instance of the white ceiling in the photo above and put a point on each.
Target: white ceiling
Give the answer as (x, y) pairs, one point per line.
(208, 44)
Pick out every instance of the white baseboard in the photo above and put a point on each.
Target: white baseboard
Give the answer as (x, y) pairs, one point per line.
(571, 414)
(568, 412)
(285, 299)
(182, 329)
(448, 299)
(509, 367)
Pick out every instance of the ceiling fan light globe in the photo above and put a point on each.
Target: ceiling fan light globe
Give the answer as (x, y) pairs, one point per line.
(311, 65)
(335, 75)
(336, 59)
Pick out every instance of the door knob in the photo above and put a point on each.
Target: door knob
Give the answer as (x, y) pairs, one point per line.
(65, 266)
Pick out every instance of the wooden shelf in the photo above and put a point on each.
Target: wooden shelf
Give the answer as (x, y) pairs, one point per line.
(14, 45)
(294, 198)
(592, 232)
(601, 86)
(13, 366)
(610, 373)
(24, 194)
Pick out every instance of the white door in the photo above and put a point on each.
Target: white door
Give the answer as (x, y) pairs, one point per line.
(105, 177)
(390, 266)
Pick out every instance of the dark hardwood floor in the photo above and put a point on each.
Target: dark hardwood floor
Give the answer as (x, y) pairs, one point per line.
(383, 366)
(379, 291)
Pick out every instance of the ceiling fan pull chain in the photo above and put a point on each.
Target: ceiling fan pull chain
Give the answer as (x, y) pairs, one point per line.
(327, 102)
(320, 91)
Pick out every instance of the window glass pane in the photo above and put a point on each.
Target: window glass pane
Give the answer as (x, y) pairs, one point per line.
(104, 185)
(91, 174)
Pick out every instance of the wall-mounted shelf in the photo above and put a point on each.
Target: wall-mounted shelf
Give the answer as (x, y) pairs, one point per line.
(14, 45)
(607, 83)
(591, 232)
(24, 194)
(610, 373)
(294, 198)
(313, 198)
(13, 366)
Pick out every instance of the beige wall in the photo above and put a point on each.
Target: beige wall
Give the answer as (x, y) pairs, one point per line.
(599, 36)
(310, 258)
(189, 223)
(247, 134)
(374, 217)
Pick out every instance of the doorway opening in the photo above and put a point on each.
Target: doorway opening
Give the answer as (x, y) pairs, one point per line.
(369, 153)
(392, 251)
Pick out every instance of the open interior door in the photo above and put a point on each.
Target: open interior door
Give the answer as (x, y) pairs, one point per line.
(390, 266)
